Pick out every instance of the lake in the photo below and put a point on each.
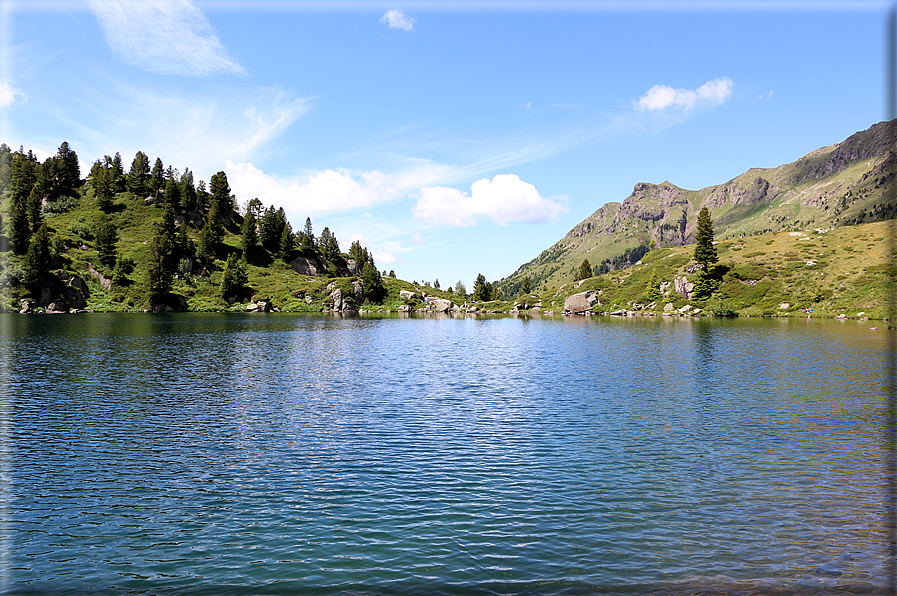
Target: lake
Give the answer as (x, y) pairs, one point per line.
(285, 454)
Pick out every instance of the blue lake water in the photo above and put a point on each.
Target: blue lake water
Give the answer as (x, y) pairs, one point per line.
(280, 454)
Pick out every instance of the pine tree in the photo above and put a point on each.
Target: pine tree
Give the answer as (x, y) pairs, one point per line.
(157, 176)
(234, 277)
(374, 288)
(138, 177)
(33, 205)
(652, 292)
(188, 191)
(585, 270)
(19, 228)
(525, 288)
(106, 237)
(220, 190)
(481, 290)
(705, 251)
(307, 240)
(104, 186)
(159, 269)
(212, 233)
(37, 258)
(172, 194)
(285, 250)
(250, 237)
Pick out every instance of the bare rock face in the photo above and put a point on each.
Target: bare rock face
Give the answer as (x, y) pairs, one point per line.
(353, 267)
(306, 266)
(406, 295)
(578, 304)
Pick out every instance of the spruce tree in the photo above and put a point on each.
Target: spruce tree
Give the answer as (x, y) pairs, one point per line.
(157, 176)
(250, 237)
(37, 258)
(35, 215)
(19, 228)
(234, 277)
(374, 288)
(220, 190)
(106, 238)
(481, 290)
(525, 288)
(585, 270)
(705, 251)
(138, 177)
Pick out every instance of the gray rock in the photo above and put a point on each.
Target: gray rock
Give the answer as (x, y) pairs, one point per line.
(306, 266)
(684, 309)
(665, 287)
(404, 308)
(784, 306)
(441, 305)
(307, 299)
(668, 307)
(337, 296)
(580, 303)
(56, 307)
(26, 307)
(353, 267)
(406, 295)
(683, 287)
(358, 290)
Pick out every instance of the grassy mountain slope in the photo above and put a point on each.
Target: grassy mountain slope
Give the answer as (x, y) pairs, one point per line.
(847, 183)
(847, 270)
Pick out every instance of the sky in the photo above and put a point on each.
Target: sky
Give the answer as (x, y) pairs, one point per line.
(450, 138)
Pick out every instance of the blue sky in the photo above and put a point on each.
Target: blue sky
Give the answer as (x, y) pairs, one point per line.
(451, 138)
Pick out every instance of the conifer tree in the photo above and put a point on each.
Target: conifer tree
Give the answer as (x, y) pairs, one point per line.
(525, 288)
(157, 176)
(249, 237)
(705, 251)
(481, 291)
(234, 277)
(585, 270)
(374, 288)
(138, 176)
(212, 233)
(106, 238)
(172, 194)
(19, 227)
(220, 190)
(35, 215)
(37, 258)
(104, 186)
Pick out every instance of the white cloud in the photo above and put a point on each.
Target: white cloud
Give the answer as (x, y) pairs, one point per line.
(505, 198)
(8, 93)
(711, 93)
(163, 36)
(396, 19)
(418, 239)
(526, 106)
(327, 191)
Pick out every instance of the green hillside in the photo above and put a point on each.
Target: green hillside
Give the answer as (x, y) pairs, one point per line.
(849, 183)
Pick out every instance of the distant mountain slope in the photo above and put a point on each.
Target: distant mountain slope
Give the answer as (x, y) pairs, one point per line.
(847, 183)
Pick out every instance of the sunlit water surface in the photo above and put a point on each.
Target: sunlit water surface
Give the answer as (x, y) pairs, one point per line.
(228, 454)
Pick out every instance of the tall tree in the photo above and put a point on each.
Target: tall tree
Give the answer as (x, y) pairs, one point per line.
(287, 242)
(35, 215)
(138, 176)
(19, 227)
(705, 251)
(36, 265)
(157, 176)
(118, 173)
(220, 190)
(106, 237)
(525, 288)
(188, 191)
(212, 233)
(234, 277)
(250, 237)
(307, 237)
(460, 289)
(103, 180)
(374, 288)
(585, 270)
(481, 290)
(173, 194)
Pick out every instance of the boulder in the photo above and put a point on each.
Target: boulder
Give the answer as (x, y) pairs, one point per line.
(683, 287)
(353, 267)
(784, 306)
(580, 303)
(406, 295)
(404, 308)
(668, 307)
(665, 287)
(26, 307)
(307, 299)
(441, 305)
(684, 309)
(337, 296)
(56, 307)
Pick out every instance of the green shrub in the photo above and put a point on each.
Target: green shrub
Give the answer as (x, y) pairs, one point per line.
(60, 205)
(82, 228)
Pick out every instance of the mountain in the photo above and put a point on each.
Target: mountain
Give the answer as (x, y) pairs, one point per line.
(848, 183)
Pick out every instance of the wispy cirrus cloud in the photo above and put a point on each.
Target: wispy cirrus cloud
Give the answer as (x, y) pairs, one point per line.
(8, 93)
(396, 19)
(711, 93)
(506, 198)
(163, 36)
